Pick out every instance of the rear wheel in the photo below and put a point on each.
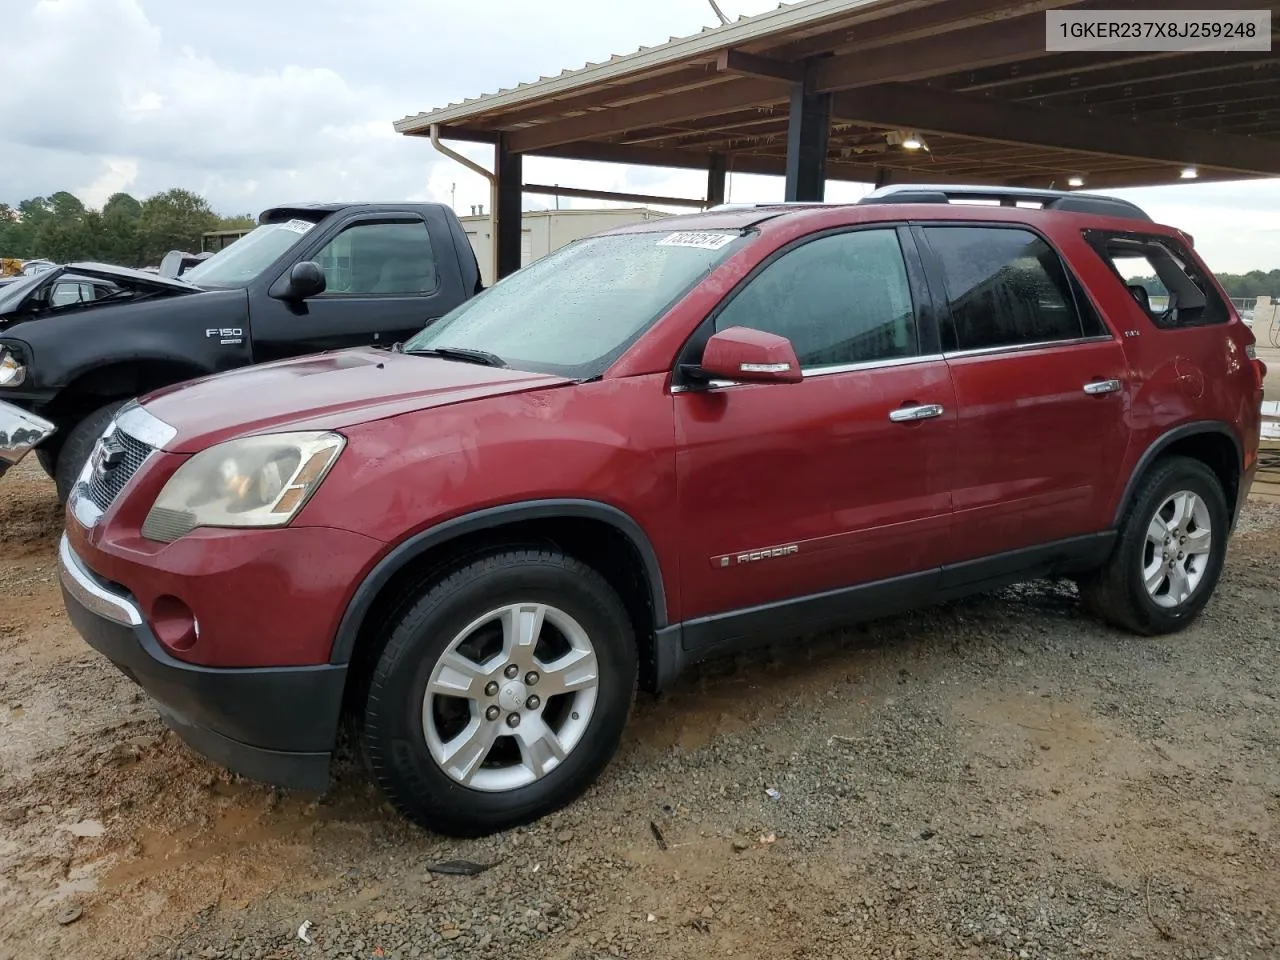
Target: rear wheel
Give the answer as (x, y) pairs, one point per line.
(77, 446)
(501, 694)
(1170, 553)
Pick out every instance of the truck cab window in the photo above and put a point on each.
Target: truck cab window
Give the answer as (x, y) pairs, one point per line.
(370, 259)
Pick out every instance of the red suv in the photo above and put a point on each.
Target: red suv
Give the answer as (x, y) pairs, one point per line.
(656, 444)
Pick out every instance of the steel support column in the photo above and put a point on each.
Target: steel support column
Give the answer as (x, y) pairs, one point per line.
(807, 133)
(715, 179)
(507, 212)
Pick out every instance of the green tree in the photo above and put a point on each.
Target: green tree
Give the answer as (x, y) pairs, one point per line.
(66, 208)
(122, 206)
(121, 236)
(243, 221)
(173, 220)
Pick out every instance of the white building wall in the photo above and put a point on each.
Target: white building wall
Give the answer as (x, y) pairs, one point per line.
(543, 231)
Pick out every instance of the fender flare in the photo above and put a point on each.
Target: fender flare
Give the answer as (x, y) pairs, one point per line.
(1162, 443)
(404, 553)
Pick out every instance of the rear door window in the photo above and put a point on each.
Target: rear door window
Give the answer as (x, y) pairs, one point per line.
(1162, 277)
(1006, 287)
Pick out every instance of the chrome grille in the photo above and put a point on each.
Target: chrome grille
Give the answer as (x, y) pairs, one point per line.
(103, 481)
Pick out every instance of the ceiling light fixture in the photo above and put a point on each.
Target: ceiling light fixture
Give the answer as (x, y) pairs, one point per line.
(906, 139)
(1190, 173)
(1075, 182)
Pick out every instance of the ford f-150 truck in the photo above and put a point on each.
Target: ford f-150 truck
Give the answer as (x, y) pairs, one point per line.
(79, 341)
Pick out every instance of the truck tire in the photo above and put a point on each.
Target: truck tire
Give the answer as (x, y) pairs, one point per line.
(47, 457)
(78, 445)
(501, 694)
(1170, 552)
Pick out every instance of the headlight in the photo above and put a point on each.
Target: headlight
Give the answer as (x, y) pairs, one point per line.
(12, 373)
(253, 482)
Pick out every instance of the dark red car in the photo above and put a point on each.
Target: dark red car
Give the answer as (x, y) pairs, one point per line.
(653, 445)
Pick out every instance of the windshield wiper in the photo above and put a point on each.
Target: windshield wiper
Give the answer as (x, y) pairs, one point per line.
(466, 355)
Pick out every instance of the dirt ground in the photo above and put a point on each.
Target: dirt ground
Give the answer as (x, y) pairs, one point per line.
(1000, 777)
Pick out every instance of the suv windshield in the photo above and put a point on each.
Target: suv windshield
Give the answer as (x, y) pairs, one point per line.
(575, 311)
(241, 262)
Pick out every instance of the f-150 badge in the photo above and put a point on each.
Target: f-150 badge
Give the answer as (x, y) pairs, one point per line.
(226, 336)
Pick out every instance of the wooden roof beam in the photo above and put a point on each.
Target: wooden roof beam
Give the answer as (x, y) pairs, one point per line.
(1068, 74)
(906, 24)
(766, 165)
(662, 111)
(728, 122)
(662, 84)
(1205, 106)
(750, 65)
(1145, 177)
(460, 133)
(1206, 113)
(958, 114)
(1174, 83)
(1002, 42)
(985, 45)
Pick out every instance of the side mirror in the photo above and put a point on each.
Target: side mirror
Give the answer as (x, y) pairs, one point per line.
(306, 279)
(749, 356)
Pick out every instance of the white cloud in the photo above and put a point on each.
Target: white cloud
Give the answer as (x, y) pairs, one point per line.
(254, 103)
(118, 176)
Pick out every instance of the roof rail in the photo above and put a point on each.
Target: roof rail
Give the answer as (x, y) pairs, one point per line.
(762, 204)
(1067, 201)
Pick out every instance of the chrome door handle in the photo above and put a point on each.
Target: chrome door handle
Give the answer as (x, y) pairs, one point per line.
(1099, 387)
(912, 414)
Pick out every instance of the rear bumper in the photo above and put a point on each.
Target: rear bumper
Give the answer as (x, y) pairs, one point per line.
(20, 433)
(277, 725)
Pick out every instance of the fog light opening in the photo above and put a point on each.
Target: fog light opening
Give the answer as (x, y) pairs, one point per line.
(174, 624)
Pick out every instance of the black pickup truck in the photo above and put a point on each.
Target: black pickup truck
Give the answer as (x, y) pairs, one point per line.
(79, 341)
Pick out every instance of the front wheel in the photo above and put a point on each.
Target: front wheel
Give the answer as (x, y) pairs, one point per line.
(47, 457)
(501, 694)
(1170, 552)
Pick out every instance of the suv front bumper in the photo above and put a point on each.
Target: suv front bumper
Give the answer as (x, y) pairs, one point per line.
(277, 725)
(20, 433)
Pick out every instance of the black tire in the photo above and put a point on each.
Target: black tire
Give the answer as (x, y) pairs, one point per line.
(392, 737)
(77, 446)
(47, 457)
(1117, 593)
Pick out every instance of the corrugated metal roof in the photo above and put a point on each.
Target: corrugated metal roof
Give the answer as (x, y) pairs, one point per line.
(786, 18)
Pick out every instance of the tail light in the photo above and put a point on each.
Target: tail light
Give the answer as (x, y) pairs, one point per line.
(1260, 368)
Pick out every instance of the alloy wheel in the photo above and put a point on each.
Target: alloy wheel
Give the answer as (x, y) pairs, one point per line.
(1177, 550)
(510, 697)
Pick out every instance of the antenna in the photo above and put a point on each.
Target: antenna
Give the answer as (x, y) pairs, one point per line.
(724, 21)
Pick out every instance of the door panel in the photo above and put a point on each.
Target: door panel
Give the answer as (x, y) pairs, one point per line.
(386, 278)
(818, 470)
(1041, 387)
(1037, 452)
(788, 490)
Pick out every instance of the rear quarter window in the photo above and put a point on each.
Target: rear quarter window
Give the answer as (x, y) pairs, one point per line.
(1167, 283)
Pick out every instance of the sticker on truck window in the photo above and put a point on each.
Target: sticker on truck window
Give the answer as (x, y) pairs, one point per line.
(298, 226)
(701, 241)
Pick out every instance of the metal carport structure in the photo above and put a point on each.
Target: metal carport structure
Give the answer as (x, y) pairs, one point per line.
(831, 89)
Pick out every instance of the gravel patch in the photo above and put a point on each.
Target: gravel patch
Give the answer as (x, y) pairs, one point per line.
(1001, 777)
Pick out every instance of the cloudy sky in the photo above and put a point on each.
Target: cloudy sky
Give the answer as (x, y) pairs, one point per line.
(258, 102)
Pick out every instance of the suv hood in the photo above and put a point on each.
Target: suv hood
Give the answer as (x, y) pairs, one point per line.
(16, 293)
(325, 391)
